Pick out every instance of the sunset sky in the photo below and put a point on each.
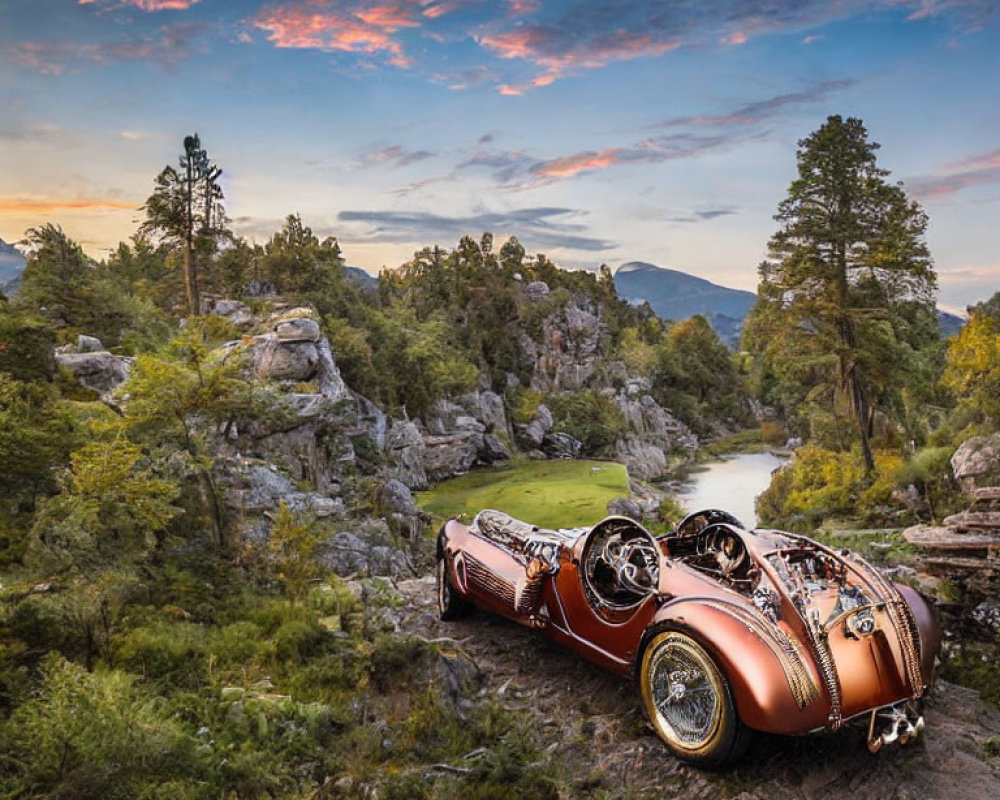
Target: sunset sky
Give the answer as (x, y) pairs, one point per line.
(604, 131)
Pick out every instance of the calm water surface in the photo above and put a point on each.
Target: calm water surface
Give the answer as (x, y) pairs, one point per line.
(731, 485)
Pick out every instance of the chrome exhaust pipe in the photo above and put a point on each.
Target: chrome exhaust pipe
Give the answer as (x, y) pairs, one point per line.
(898, 727)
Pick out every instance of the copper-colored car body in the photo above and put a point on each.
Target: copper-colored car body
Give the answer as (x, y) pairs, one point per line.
(724, 629)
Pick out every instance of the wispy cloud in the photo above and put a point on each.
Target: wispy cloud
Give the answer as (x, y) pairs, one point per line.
(763, 109)
(537, 227)
(349, 27)
(951, 178)
(562, 38)
(145, 5)
(46, 205)
(678, 138)
(392, 156)
(704, 215)
(167, 45)
(31, 133)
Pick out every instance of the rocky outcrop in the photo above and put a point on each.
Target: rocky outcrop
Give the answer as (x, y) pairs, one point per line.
(561, 445)
(368, 548)
(530, 436)
(252, 490)
(977, 461)
(405, 448)
(397, 507)
(625, 507)
(451, 454)
(656, 439)
(97, 370)
(566, 354)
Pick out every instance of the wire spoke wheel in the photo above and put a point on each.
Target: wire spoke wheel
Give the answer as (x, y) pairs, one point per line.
(688, 700)
(451, 604)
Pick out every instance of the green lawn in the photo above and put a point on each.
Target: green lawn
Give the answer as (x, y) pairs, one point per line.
(551, 494)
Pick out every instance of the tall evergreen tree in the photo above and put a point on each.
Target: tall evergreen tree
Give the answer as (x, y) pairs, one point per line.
(186, 210)
(846, 295)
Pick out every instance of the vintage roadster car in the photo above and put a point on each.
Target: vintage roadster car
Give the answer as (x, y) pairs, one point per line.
(725, 630)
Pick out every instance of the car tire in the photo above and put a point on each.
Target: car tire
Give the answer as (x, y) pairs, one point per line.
(689, 702)
(451, 605)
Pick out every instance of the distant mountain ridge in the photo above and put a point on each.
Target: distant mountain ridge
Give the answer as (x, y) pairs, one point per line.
(677, 295)
(12, 263)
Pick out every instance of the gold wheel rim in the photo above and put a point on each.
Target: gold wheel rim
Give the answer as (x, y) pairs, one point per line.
(683, 692)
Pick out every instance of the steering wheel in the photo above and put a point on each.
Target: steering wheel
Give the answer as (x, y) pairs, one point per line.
(635, 563)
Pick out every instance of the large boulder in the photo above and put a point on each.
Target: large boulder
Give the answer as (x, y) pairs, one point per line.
(561, 445)
(493, 450)
(977, 461)
(236, 313)
(532, 434)
(397, 506)
(451, 454)
(625, 507)
(101, 371)
(88, 344)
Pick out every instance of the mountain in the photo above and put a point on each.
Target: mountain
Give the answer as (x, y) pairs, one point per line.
(949, 324)
(12, 263)
(362, 278)
(677, 295)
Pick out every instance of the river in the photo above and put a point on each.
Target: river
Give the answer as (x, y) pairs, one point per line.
(731, 485)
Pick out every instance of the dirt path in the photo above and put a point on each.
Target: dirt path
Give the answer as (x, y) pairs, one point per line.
(601, 745)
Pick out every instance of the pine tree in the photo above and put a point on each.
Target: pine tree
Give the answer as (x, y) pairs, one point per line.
(846, 296)
(186, 210)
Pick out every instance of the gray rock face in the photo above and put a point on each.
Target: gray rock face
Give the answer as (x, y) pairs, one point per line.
(405, 448)
(368, 549)
(567, 353)
(400, 511)
(532, 434)
(625, 507)
(655, 435)
(252, 490)
(561, 445)
(88, 344)
(301, 329)
(451, 454)
(99, 371)
(977, 458)
(493, 450)
(536, 290)
(237, 313)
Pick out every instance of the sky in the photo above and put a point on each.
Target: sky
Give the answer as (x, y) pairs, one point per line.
(596, 131)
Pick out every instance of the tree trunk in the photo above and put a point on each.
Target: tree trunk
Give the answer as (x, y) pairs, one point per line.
(863, 414)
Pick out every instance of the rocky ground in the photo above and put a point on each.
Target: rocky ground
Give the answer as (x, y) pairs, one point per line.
(593, 734)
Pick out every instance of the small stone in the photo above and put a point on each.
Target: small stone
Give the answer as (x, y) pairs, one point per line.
(88, 344)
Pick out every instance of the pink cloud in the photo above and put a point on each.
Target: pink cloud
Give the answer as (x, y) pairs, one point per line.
(324, 25)
(951, 178)
(531, 44)
(568, 166)
(736, 38)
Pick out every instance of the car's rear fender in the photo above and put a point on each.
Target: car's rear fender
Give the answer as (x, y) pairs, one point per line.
(774, 690)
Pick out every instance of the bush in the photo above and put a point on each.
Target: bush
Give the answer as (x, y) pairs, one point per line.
(593, 418)
(96, 735)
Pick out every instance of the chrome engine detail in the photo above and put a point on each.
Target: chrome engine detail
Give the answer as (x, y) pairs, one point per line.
(897, 723)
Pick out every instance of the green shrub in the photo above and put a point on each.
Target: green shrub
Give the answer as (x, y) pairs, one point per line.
(96, 735)
(593, 418)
